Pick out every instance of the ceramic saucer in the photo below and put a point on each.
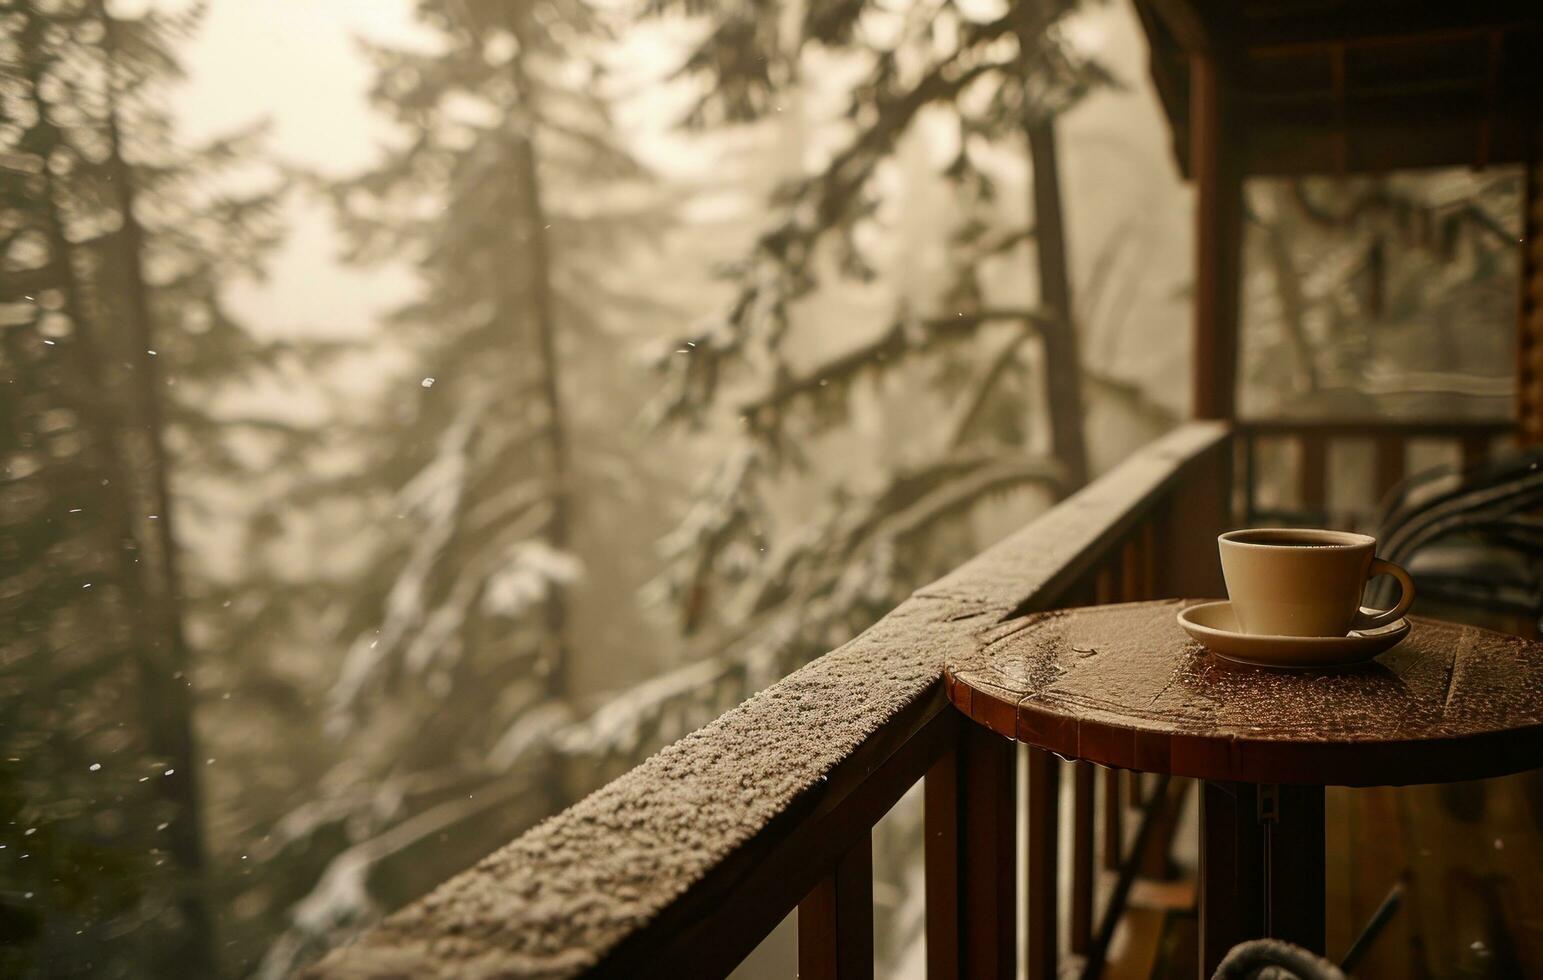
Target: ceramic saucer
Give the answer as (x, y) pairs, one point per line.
(1214, 626)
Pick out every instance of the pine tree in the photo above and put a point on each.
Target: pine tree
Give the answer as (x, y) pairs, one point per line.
(518, 205)
(117, 242)
(996, 85)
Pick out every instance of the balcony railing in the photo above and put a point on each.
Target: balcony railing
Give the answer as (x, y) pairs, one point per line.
(1287, 467)
(690, 859)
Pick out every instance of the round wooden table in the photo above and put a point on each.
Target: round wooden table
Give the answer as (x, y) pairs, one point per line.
(1123, 686)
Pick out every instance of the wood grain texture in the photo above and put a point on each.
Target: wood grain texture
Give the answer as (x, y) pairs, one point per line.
(1123, 686)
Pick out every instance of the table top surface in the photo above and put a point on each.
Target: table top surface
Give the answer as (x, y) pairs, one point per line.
(1124, 686)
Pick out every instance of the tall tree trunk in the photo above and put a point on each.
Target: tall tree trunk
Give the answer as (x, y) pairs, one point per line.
(164, 667)
(1063, 363)
(537, 280)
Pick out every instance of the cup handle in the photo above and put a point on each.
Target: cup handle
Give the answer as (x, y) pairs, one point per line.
(1370, 619)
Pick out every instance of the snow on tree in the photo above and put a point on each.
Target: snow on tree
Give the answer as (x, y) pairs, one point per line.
(991, 83)
(519, 206)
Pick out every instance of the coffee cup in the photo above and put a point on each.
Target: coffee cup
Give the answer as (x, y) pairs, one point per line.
(1299, 582)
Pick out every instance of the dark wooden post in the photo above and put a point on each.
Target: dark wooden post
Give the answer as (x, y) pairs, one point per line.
(971, 859)
(1114, 831)
(1313, 476)
(1529, 312)
(1261, 869)
(1231, 870)
(1214, 164)
(1295, 850)
(835, 920)
(1044, 837)
(1082, 857)
(940, 856)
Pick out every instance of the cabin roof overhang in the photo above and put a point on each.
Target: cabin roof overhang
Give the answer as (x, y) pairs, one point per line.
(1355, 86)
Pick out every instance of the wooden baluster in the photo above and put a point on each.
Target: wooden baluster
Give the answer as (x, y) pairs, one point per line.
(971, 859)
(1137, 576)
(1082, 857)
(941, 851)
(1475, 450)
(1529, 309)
(835, 920)
(1135, 791)
(1130, 571)
(1250, 478)
(1148, 552)
(1313, 477)
(1114, 833)
(1044, 835)
(1103, 586)
(1390, 465)
(1108, 577)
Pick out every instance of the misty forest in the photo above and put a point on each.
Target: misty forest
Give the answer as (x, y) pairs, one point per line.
(377, 486)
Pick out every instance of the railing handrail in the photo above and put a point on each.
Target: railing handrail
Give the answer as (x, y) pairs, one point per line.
(699, 851)
(1412, 428)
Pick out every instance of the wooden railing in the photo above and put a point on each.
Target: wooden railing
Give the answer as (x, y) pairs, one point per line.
(1303, 474)
(682, 865)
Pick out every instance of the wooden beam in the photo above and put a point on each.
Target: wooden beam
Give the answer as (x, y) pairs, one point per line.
(1363, 24)
(1377, 146)
(1218, 242)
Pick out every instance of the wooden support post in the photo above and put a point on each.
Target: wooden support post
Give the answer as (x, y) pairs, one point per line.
(835, 920)
(1250, 479)
(941, 866)
(1313, 477)
(1296, 879)
(1082, 857)
(1529, 309)
(1213, 158)
(1261, 867)
(971, 859)
(1231, 871)
(1044, 837)
(1114, 832)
